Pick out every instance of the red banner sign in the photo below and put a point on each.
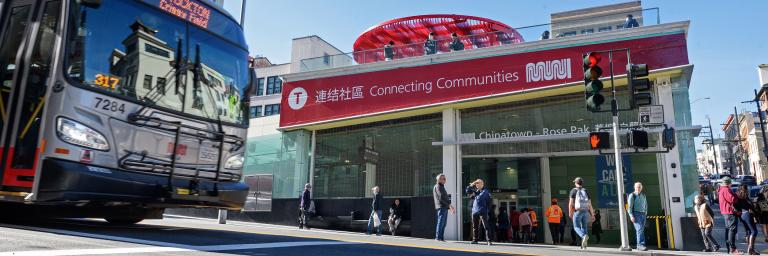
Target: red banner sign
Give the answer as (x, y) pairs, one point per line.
(341, 97)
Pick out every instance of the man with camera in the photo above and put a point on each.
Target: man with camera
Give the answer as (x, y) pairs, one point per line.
(480, 208)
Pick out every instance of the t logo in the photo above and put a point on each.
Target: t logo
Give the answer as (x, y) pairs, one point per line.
(297, 98)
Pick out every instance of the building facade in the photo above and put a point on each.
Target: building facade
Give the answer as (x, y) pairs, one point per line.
(511, 114)
(713, 158)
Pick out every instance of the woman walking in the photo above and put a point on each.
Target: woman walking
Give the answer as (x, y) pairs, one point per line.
(747, 209)
(762, 209)
(597, 227)
(706, 222)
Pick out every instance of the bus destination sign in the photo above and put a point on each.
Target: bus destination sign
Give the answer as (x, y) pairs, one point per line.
(189, 10)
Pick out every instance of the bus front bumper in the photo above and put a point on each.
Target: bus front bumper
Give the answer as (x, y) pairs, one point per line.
(66, 182)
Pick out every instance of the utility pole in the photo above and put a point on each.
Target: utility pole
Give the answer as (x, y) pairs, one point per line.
(714, 150)
(619, 161)
(762, 126)
(738, 141)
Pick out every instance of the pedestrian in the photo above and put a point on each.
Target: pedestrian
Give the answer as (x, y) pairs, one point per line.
(597, 227)
(534, 224)
(396, 211)
(544, 35)
(727, 199)
(374, 221)
(492, 222)
(563, 224)
(631, 22)
(456, 43)
(514, 221)
(762, 209)
(554, 215)
(480, 209)
(304, 207)
(430, 45)
(706, 219)
(525, 226)
(442, 205)
(502, 230)
(748, 214)
(389, 51)
(637, 207)
(580, 210)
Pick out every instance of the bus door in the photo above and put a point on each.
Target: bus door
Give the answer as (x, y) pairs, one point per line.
(27, 42)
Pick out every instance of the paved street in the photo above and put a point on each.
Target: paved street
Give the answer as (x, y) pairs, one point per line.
(188, 236)
(719, 234)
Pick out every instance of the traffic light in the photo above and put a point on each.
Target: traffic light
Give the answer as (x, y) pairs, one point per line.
(637, 139)
(639, 87)
(592, 83)
(599, 140)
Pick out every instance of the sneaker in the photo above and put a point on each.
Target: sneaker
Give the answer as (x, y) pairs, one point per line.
(643, 248)
(706, 250)
(716, 248)
(584, 242)
(735, 252)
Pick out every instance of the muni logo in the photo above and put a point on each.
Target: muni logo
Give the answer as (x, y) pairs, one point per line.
(297, 98)
(548, 70)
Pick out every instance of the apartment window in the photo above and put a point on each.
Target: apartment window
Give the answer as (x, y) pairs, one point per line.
(156, 50)
(588, 31)
(148, 82)
(604, 29)
(161, 85)
(271, 110)
(260, 86)
(255, 111)
(274, 85)
(572, 33)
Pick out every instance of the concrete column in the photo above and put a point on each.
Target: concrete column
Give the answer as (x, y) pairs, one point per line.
(452, 171)
(370, 170)
(546, 197)
(674, 199)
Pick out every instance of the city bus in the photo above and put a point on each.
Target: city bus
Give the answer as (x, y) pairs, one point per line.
(121, 109)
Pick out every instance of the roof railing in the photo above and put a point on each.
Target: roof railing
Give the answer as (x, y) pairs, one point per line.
(644, 17)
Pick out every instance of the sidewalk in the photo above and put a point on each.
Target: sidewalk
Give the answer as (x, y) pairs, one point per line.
(457, 246)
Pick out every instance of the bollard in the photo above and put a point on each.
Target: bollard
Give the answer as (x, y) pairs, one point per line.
(222, 216)
(658, 234)
(670, 232)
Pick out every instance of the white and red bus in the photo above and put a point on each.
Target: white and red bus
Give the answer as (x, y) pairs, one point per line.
(120, 109)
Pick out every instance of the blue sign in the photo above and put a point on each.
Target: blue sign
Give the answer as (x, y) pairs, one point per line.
(605, 166)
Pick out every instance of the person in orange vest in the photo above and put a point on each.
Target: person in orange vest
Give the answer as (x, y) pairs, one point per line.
(554, 216)
(534, 224)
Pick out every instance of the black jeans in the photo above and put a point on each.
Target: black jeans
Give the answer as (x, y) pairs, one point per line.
(709, 241)
(477, 220)
(554, 229)
(731, 227)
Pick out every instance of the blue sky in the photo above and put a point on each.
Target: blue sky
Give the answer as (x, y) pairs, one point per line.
(725, 40)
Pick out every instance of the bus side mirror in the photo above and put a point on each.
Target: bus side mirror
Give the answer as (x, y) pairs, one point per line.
(90, 3)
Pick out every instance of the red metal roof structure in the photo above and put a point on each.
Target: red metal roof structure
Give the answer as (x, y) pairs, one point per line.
(409, 34)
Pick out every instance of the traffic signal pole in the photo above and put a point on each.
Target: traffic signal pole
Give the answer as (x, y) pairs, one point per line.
(619, 163)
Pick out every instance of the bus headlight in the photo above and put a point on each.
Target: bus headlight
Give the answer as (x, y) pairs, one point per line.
(78, 134)
(234, 162)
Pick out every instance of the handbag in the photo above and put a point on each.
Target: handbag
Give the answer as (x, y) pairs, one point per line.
(376, 220)
(762, 206)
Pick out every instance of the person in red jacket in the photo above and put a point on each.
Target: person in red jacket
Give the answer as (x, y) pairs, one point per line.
(514, 219)
(727, 199)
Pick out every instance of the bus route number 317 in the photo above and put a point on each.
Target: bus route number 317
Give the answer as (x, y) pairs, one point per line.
(109, 105)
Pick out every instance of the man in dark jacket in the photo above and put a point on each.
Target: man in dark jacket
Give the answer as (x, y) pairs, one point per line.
(306, 202)
(442, 206)
(480, 208)
(375, 219)
(430, 45)
(456, 43)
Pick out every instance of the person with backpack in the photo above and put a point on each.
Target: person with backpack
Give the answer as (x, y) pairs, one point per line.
(580, 210)
(706, 219)
(305, 206)
(727, 199)
(637, 208)
(554, 213)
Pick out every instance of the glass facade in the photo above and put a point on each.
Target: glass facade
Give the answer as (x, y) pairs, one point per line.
(286, 156)
(396, 155)
(685, 142)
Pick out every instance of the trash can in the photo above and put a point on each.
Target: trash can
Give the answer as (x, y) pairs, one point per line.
(692, 240)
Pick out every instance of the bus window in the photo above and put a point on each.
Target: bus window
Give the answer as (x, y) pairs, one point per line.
(14, 34)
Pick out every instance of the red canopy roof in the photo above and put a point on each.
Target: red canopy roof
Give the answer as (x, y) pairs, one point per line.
(475, 32)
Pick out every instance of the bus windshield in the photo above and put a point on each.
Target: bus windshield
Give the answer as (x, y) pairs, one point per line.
(175, 55)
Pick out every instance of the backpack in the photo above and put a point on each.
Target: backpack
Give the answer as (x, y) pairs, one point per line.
(582, 199)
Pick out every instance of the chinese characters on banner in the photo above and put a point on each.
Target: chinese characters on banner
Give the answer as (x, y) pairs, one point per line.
(339, 94)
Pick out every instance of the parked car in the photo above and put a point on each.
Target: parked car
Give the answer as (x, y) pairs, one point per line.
(747, 179)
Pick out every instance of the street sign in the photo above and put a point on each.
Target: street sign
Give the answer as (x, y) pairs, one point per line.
(653, 114)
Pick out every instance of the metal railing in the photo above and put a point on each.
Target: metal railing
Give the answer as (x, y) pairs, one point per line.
(571, 27)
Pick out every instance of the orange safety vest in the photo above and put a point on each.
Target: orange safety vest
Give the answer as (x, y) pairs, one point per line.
(554, 213)
(534, 220)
